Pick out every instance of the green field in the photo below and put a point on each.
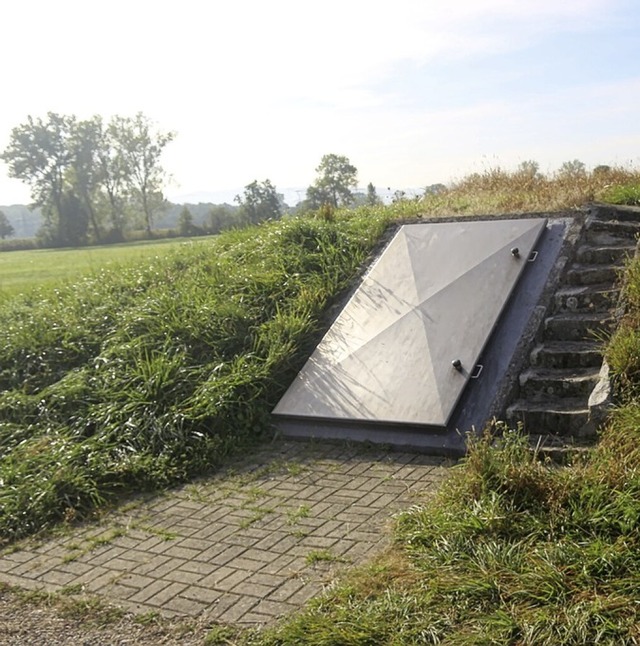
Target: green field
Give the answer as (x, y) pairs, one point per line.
(22, 270)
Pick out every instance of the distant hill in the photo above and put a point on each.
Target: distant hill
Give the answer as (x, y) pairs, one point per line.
(25, 221)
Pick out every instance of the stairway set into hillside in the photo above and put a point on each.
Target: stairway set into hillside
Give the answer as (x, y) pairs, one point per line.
(565, 364)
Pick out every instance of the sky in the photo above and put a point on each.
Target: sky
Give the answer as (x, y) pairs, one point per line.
(413, 92)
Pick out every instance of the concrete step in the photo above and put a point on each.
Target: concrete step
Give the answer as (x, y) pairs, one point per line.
(606, 255)
(581, 274)
(611, 232)
(619, 212)
(555, 416)
(540, 383)
(561, 450)
(599, 297)
(567, 354)
(577, 326)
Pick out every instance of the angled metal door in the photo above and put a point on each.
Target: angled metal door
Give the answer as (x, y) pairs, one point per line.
(406, 343)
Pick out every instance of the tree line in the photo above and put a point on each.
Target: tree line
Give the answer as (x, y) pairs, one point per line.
(91, 178)
(95, 179)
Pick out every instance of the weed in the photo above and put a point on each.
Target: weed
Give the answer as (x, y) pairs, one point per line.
(258, 513)
(147, 618)
(220, 636)
(164, 534)
(294, 515)
(323, 556)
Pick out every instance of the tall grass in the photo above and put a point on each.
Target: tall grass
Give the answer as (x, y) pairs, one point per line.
(511, 550)
(497, 190)
(144, 376)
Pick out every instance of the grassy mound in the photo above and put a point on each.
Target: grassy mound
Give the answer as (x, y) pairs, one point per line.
(144, 376)
(511, 550)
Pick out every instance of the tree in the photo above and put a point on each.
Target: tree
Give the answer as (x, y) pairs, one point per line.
(140, 146)
(259, 202)
(84, 176)
(186, 227)
(372, 198)
(40, 153)
(573, 169)
(6, 228)
(84, 170)
(221, 217)
(113, 176)
(528, 169)
(73, 220)
(336, 177)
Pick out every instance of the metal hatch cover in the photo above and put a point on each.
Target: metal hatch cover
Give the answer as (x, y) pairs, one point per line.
(428, 303)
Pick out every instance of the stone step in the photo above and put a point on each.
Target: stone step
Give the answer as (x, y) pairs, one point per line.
(611, 232)
(567, 354)
(620, 212)
(590, 254)
(580, 274)
(541, 383)
(561, 450)
(586, 298)
(562, 417)
(577, 327)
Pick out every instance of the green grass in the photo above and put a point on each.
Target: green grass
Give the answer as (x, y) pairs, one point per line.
(22, 270)
(512, 550)
(142, 376)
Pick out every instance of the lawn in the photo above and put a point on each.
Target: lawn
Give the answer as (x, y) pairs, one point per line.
(22, 270)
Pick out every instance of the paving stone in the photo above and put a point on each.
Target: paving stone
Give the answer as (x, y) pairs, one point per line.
(230, 553)
(318, 542)
(252, 589)
(181, 576)
(301, 596)
(223, 570)
(252, 618)
(19, 556)
(32, 568)
(105, 555)
(219, 574)
(165, 568)
(74, 567)
(153, 543)
(185, 606)
(235, 578)
(286, 589)
(203, 569)
(58, 577)
(240, 607)
(178, 551)
(279, 565)
(100, 583)
(137, 581)
(202, 594)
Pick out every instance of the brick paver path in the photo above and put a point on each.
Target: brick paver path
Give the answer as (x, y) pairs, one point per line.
(244, 547)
